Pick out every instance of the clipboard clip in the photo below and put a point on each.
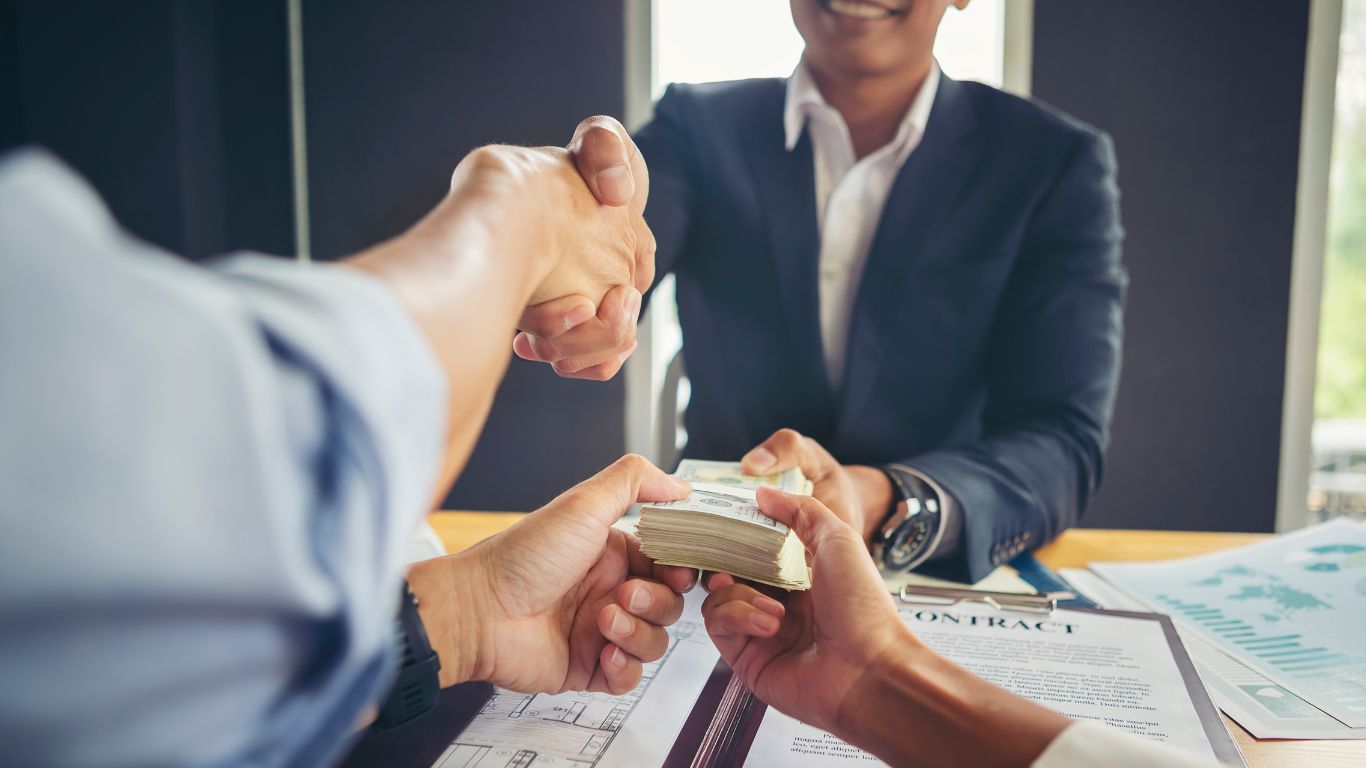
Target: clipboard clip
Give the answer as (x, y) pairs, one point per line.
(1002, 601)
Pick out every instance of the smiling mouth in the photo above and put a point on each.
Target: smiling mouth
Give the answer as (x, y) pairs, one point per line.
(861, 9)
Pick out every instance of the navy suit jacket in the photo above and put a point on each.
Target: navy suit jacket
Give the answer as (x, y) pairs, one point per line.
(984, 347)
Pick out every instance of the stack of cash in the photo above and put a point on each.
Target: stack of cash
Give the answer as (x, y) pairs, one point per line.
(719, 527)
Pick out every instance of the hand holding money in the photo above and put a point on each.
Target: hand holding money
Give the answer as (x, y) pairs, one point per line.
(858, 495)
(719, 526)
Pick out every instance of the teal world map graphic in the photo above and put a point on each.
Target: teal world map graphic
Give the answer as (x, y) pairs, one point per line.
(1329, 558)
(1280, 600)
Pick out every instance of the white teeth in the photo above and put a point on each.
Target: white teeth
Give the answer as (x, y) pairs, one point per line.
(858, 10)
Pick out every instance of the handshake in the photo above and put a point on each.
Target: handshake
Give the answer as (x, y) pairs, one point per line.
(585, 205)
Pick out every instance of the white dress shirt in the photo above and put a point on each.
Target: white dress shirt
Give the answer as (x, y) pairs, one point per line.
(850, 195)
(1086, 743)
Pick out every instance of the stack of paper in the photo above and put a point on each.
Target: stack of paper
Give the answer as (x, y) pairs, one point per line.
(1275, 627)
(719, 528)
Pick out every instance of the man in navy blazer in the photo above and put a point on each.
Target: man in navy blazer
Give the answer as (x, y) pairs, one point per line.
(919, 275)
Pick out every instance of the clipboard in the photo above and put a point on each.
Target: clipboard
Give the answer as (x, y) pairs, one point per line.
(721, 729)
(721, 726)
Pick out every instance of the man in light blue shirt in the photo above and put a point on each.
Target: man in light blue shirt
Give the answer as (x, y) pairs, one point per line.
(208, 477)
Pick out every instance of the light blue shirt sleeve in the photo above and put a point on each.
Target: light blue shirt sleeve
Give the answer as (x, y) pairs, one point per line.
(208, 478)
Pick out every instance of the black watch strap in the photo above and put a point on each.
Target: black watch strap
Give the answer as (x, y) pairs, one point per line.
(415, 690)
(912, 529)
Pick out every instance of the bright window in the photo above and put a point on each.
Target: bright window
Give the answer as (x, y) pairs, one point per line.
(700, 41)
(1338, 483)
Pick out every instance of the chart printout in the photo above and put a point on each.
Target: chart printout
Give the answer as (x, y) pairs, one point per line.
(1293, 608)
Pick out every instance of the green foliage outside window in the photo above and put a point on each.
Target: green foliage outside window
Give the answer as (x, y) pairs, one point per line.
(1341, 387)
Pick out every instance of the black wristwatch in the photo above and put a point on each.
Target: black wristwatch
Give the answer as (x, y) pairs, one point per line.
(912, 529)
(415, 690)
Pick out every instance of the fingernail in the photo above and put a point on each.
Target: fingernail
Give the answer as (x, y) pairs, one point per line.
(683, 485)
(640, 600)
(617, 658)
(621, 625)
(579, 315)
(763, 622)
(760, 458)
(696, 577)
(615, 184)
(767, 605)
(633, 300)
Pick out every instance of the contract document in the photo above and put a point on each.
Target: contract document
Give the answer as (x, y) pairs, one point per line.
(1128, 670)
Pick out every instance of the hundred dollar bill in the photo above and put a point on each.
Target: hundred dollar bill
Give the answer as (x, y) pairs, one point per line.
(729, 473)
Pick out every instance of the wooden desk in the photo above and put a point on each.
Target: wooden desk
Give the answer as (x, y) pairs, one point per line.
(461, 530)
(1074, 549)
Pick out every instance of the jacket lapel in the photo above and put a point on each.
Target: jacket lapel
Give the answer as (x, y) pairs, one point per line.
(933, 178)
(787, 193)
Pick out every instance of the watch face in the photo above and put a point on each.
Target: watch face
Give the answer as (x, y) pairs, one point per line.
(907, 543)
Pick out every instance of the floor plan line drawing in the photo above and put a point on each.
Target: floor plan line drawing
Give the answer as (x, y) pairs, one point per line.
(574, 729)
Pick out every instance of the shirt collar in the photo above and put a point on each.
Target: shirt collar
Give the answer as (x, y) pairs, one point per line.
(803, 97)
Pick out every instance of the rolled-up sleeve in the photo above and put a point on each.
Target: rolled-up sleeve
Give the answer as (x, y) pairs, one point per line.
(208, 477)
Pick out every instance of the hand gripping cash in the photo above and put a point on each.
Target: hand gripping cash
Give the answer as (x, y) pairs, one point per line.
(719, 526)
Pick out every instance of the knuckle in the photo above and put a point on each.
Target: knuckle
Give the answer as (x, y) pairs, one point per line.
(646, 244)
(570, 365)
(490, 158)
(630, 241)
(603, 373)
(634, 463)
(656, 650)
(788, 438)
(544, 348)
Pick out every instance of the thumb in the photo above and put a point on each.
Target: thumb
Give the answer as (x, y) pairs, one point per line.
(828, 538)
(608, 494)
(602, 152)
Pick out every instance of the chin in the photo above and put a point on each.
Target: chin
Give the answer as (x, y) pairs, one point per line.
(861, 37)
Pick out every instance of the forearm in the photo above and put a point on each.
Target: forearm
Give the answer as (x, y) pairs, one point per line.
(875, 498)
(465, 272)
(914, 707)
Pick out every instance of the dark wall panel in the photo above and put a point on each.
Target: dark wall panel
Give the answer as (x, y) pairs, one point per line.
(1203, 101)
(397, 93)
(177, 112)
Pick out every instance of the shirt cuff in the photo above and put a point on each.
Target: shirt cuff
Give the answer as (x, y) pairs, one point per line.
(1086, 743)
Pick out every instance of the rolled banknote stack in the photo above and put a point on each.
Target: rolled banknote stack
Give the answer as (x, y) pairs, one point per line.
(719, 526)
